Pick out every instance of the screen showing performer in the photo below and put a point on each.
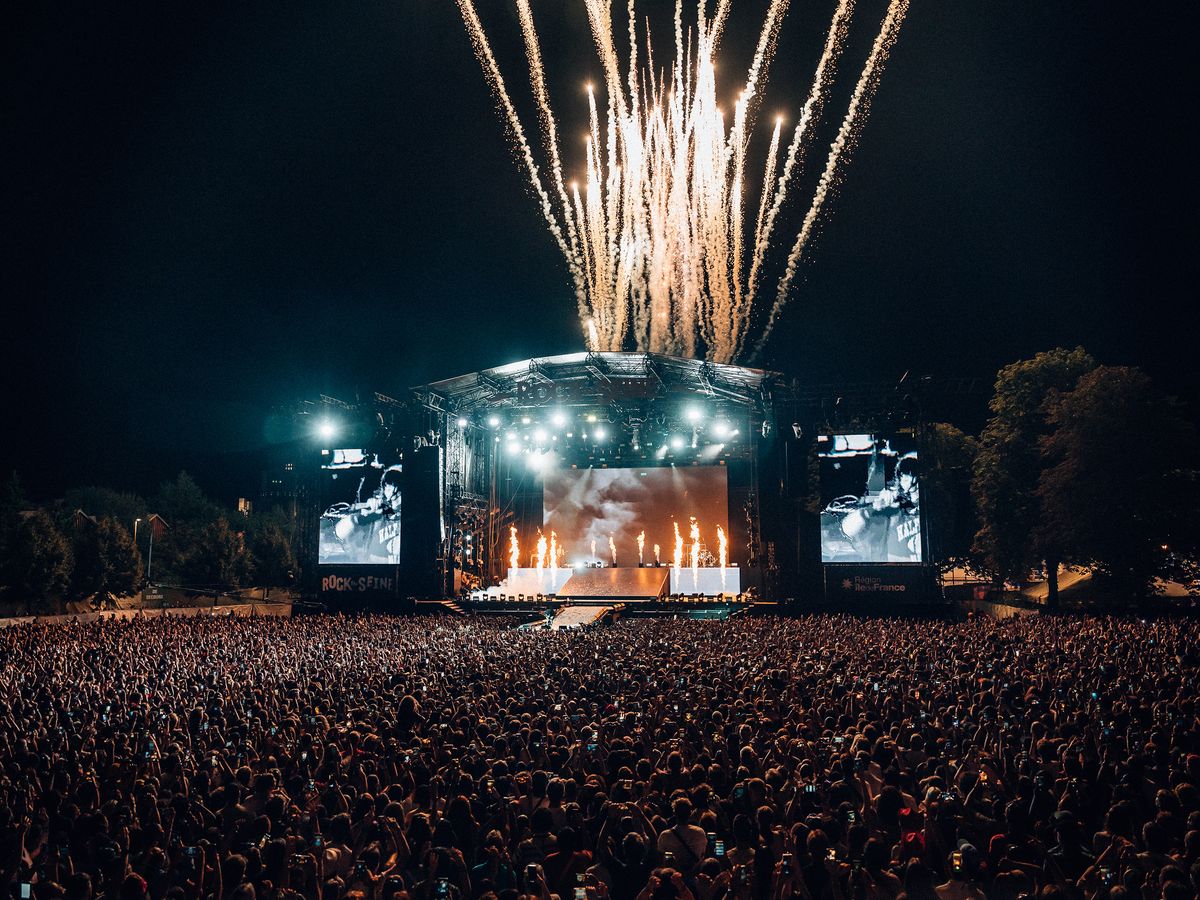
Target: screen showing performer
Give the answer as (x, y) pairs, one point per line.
(360, 524)
(586, 508)
(870, 499)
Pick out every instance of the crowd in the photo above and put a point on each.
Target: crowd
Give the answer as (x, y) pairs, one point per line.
(814, 758)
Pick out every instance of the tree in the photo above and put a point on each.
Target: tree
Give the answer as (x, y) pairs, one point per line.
(274, 562)
(947, 458)
(106, 560)
(218, 557)
(105, 502)
(187, 511)
(41, 557)
(183, 505)
(1009, 463)
(1118, 480)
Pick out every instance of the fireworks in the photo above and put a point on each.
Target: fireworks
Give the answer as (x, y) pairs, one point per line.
(514, 549)
(656, 235)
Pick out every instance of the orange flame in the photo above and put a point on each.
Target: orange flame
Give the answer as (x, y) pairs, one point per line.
(724, 545)
(695, 554)
(641, 541)
(514, 549)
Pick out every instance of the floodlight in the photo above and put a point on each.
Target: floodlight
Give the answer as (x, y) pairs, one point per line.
(694, 413)
(462, 421)
(327, 429)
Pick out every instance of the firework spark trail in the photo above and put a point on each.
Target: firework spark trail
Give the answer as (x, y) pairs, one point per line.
(860, 102)
(657, 238)
(554, 548)
(487, 60)
(537, 75)
(768, 179)
(835, 41)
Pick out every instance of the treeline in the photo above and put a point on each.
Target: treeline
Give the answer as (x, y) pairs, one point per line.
(1079, 464)
(85, 546)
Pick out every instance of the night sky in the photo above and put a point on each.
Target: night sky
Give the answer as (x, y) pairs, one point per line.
(213, 209)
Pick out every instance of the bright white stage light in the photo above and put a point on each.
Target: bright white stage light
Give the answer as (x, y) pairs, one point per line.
(513, 449)
(559, 419)
(720, 429)
(494, 421)
(462, 421)
(524, 420)
(540, 460)
(327, 429)
(591, 417)
(599, 434)
(677, 442)
(694, 413)
(539, 435)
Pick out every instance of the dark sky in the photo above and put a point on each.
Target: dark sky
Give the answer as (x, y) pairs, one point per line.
(216, 208)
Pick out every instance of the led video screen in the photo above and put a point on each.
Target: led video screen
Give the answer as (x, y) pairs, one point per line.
(870, 499)
(588, 507)
(360, 495)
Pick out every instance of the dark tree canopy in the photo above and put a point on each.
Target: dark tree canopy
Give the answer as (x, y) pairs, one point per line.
(1008, 465)
(1118, 483)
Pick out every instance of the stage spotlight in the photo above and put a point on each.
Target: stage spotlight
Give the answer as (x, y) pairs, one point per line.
(559, 419)
(539, 435)
(524, 420)
(494, 421)
(513, 449)
(598, 434)
(694, 413)
(327, 429)
(591, 417)
(540, 460)
(462, 421)
(512, 436)
(720, 429)
(677, 442)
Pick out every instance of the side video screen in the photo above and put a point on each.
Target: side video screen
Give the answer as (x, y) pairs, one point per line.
(870, 499)
(360, 496)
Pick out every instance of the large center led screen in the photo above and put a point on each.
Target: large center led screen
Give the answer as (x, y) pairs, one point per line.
(360, 493)
(588, 507)
(870, 502)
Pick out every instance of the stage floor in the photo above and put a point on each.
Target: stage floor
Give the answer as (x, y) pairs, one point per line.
(615, 584)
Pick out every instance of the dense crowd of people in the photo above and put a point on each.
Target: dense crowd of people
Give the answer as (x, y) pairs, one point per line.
(449, 759)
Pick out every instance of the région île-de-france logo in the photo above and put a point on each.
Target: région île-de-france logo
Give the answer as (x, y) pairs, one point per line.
(847, 584)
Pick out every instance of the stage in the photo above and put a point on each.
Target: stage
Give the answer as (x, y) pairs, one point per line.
(612, 584)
